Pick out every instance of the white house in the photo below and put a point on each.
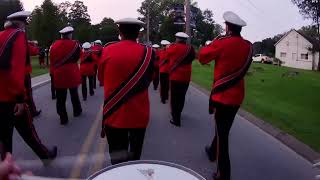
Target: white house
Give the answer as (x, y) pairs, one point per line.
(294, 50)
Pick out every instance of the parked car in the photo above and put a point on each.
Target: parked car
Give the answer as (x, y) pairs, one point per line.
(262, 59)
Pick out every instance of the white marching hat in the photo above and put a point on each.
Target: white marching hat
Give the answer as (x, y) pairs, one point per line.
(86, 45)
(182, 35)
(208, 42)
(165, 42)
(155, 46)
(98, 42)
(66, 30)
(233, 18)
(21, 15)
(130, 21)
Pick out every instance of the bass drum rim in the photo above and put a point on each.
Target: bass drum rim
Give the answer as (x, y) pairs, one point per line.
(188, 170)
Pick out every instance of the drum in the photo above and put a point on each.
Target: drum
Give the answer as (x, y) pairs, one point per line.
(146, 170)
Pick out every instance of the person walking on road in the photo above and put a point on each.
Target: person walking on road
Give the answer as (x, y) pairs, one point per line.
(180, 56)
(96, 54)
(14, 111)
(126, 69)
(233, 57)
(156, 68)
(33, 50)
(164, 71)
(87, 70)
(64, 55)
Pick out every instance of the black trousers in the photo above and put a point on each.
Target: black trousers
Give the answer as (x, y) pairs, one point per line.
(84, 86)
(61, 102)
(29, 99)
(124, 144)
(156, 79)
(53, 90)
(178, 95)
(224, 116)
(164, 87)
(95, 77)
(25, 128)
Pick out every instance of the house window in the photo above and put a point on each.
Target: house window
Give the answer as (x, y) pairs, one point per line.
(283, 55)
(304, 56)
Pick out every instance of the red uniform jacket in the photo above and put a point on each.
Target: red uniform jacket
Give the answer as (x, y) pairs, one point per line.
(183, 71)
(96, 53)
(118, 61)
(87, 64)
(64, 55)
(164, 66)
(13, 55)
(33, 51)
(230, 53)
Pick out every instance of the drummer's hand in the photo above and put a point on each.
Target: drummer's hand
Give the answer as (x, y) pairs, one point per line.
(8, 169)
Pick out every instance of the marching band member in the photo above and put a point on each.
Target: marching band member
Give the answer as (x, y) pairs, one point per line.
(180, 56)
(14, 111)
(64, 55)
(126, 69)
(164, 72)
(87, 70)
(156, 68)
(233, 56)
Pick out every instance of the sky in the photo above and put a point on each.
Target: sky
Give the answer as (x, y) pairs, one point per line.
(265, 18)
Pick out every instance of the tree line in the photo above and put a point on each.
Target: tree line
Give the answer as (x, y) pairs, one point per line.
(162, 21)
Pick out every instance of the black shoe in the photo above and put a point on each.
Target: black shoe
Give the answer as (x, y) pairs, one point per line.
(210, 154)
(52, 155)
(163, 101)
(77, 113)
(37, 113)
(92, 94)
(175, 123)
(54, 97)
(84, 99)
(64, 120)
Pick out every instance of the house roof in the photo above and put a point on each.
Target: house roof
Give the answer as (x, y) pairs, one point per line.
(313, 41)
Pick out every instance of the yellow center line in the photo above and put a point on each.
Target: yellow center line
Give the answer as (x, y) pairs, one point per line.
(76, 170)
(101, 156)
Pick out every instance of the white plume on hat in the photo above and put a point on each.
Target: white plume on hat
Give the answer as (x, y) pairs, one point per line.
(86, 45)
(155, 46)
(208, 42)
(165, 42)
(182, 35)
(66, 30)
(129, 21)
(19, 14)
(233, 18)
(98, 42)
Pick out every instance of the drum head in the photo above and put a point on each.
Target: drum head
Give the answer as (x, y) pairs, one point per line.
(146, 170)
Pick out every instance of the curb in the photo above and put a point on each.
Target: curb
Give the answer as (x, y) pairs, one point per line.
(297, 146)
(40, 84)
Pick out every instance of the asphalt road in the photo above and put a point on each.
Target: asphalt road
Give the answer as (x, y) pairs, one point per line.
(255, 155)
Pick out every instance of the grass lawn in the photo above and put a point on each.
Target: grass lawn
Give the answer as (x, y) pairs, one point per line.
(36, 70)
(289, 102)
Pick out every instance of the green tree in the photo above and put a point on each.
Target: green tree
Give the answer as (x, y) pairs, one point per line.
(310, 9)
(45, 23)
(79, 18)
(8, 7)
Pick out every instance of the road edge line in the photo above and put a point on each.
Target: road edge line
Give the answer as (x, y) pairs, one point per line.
(288, 140)
(76, 169)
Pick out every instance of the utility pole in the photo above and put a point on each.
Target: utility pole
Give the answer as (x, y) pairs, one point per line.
(188, 17)
(148, 22)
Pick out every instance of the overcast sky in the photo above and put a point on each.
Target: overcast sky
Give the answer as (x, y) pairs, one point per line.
(265, 18)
